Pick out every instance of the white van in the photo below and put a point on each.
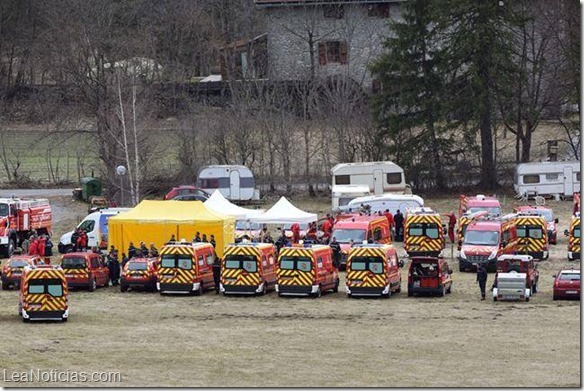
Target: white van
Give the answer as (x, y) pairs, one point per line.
(393, 202)
(342, 194)
(381, 177)
(95, 224)
(547, 179)
(236, 183)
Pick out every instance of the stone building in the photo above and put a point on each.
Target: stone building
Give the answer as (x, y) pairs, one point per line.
(319, 38)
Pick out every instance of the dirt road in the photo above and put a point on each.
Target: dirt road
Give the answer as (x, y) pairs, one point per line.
(334, 341)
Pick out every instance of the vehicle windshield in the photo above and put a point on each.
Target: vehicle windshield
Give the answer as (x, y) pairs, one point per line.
(52, 286)
(346, 235)
(529, 231)
(176, 261)
(424, 229)
(4, 209)
(18, 263)
(481, 238)
(492, 210)
(577, 232)
(137, 266)
(241, 225)
(570, 276)
(245, 262)
(73, 263)
(303, 264)
(372, 264)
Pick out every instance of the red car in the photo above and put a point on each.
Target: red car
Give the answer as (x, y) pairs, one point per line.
(567, 284)
(139, 273)
(85, 270)
(185, 190)
(13, 268)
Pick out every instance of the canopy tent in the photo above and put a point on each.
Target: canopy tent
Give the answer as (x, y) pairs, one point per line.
(283, 212)
(155, 222)
(220, 204)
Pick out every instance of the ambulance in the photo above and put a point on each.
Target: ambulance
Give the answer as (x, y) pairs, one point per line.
(573, 235)
(43, 294)
(248, 268)
(423, 233)
(306, 270)
(373, 270)
(185, 268)
(532, 235)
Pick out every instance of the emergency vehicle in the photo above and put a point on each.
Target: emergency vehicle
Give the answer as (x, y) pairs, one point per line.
(248, 268)
(547, 214)
(486, 239)
(519, 264)
(429, 275)
(14, 267)
(85, 270)
(423, 233)
(306, 270)
(573, 235)
(18, 217)
(479, 203)
(43, 294)
(463, 223)
(532, 235)
(373, 270)
(186, 268)
(139, 273)
(356, 229)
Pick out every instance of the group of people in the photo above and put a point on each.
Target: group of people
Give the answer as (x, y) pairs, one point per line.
(41, 245)
(79, 240)
(141, 252)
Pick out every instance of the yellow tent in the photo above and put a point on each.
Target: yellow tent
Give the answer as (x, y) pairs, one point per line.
(155, 222)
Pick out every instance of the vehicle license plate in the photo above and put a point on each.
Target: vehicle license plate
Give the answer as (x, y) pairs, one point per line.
(168, 276)
(69, 275)
(34, 306)
(571, 292)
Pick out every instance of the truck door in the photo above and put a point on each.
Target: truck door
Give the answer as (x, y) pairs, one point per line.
(234, 185)
(568, 181)
(378, 181)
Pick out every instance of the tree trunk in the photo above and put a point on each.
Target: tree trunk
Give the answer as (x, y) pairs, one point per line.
(526, 147)
(488, 170)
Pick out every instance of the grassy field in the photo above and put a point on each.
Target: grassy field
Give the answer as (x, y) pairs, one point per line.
(454, 341)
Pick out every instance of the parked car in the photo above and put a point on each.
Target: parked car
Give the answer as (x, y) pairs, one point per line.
(85, 270)
(185, 190)
(14, 267)
(429, 275)
(140, 273)
(567, 284)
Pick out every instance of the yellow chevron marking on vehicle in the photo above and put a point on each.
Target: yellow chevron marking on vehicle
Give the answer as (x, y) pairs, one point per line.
(181, 276)
(242, 250)
(177, 250)
(294, 277)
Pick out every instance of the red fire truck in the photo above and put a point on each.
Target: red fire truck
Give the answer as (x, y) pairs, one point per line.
(18, 217)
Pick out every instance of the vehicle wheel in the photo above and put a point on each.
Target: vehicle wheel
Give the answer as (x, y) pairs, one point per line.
(527, 299)
(64, 320)
(449, 290)
(387, 295)
(92, 284)
(494, 298)
(554, 297)
(4, 285)
(318, 293)
(19, 309)
(443, 292)
(336, 288)
(265, 289)
(106, 283)
(201, 290)
(534, 288)
(123, 288)
(11, 247)
(349, 295)
(398, 290)
(460, 269)
(25, 320)
(410, 294)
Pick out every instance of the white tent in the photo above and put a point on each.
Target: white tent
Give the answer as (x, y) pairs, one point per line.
(283, 212)
(218, 203)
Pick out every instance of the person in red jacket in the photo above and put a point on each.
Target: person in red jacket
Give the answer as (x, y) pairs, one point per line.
(389, 218)
(327, 228)
(33, 246)
(295, 233)
(41, 242)
(451, 225)
(82, 241)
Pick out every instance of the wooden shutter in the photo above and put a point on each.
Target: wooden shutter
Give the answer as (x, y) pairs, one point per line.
(343, 52)
(321, 53)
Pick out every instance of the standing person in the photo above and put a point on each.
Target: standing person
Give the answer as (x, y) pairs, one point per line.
(451, 225)
(143, 249)
(124, 260)
(282, 240)
(114, 268)
(399, 225)
(482, 279)
(268, 238)
(204, 239)
(327, 228)
(171, 240)
(131, 250)
(217, 273)
(41, 243)
(213, 241)
(197, 237)
(33, 246)
(48, 249)
(336, 247)
(153, 253)
(74, 238)
(82, 241)
(295, 233)
(389, 218)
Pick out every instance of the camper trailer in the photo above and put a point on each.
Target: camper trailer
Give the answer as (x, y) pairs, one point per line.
(342, 194)
(377, 203)
(547, 179)
(236, 183)
(381, 177)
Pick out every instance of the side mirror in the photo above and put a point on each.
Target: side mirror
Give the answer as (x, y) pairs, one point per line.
(556, 220)
(566, 233)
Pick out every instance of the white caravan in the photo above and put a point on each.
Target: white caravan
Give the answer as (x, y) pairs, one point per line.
(393, 202)
(547, 178)
(236, 183)
(381, 177)
(342, 194)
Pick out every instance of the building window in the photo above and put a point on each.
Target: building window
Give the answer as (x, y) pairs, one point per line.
(332, 52)
(527, 179)
(378, 10)
(333, 11)
(394, 178)
(342, 179)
